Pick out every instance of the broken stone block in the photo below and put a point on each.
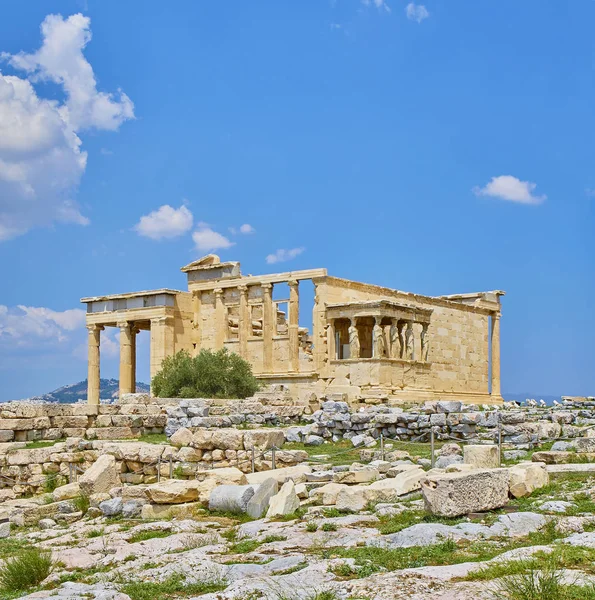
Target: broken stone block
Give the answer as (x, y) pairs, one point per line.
(455, 494)
(297, 474)
(527, 477)
(482, 456)
(66, 492)
(173, 492)
(285, 502)
(102, 476)
(259, 503)
(111, 508)
(360, 476)
(327, 494)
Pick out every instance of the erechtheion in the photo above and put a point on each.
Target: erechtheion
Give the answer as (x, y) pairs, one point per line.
(366, 341)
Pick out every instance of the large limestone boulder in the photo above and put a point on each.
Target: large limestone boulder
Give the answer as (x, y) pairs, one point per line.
(173, 492)
(356, 498)
(263, 439)
(231, 498)
(102, 476)
(527, 477)
(285, 502)
(297, 474)
(228, 439)
(455, 494)
(182, 437)
(327, 494)
(224, 475)
(404, 483)
(482, 456)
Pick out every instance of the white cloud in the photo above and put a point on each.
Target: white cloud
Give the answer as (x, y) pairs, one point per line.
(507, 187)
(165, 222)
(205, 239)
(60, 60)
(283, 255)
(247, 228)
(416, 12)
(379, 4)
(28, 325)
(41, 161)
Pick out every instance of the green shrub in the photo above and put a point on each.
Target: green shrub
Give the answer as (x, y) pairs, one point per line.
(26, 569)
(210, 374)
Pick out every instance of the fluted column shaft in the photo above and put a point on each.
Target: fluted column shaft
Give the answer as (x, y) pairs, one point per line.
(496, 355)
(268, 326)
(93, 362)
(125, 358)
(294, 338)
(245, 322)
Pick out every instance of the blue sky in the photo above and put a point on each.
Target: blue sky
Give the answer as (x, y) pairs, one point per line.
(440, 148)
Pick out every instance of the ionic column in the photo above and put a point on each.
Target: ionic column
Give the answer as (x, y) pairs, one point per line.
(245, 322)
(162, 341)
(332, 345)
(196, 329)
(268, 325)
(496, 355)
(125, 358)
(294, 312)
(220, 320)
(93, 360)
(134, 331)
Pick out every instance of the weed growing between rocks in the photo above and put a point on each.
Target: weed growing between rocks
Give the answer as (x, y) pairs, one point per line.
(175, 586)
(143, 536)
(81, 503)
(26, 569)
(395, 523)
(540, 582)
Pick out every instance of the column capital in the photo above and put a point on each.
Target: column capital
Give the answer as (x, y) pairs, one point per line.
(243, 289)
(123, 324)
(266, 286)
(293, 283)
(163, 319)
(496, 315)
(218, 291)
(94, 327)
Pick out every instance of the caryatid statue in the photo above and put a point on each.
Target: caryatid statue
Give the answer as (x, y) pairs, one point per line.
(409, 341)
(354, 347)
(395, 341)
(379, 340)
(425, 343)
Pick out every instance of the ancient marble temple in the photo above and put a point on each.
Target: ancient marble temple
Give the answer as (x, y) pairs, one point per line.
(369, 342)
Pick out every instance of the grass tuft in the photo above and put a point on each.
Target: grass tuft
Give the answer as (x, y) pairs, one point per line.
(26, 569)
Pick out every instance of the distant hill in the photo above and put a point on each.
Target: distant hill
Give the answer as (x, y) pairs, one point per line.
(73, 392)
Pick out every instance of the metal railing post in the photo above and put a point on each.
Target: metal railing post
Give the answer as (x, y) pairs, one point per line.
(432, 447)
(171, 467)
(381, 447)
(273, 449)
(500, 444)
(253, 460)
(159, 469)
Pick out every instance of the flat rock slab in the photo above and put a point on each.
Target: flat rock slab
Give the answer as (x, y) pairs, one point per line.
(231, 498)
(571, 468)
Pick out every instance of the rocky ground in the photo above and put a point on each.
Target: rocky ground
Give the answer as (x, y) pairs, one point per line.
(380, 551)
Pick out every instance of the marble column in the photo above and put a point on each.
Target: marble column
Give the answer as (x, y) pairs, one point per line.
(245, 321)
(425, 342)
(93, 374)
(196, 329)
(221, 325)
(125, 358)
(268, 327)
(134, 331)
(294, 338)
(162, 341)
(332, 340)
(496, 355)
